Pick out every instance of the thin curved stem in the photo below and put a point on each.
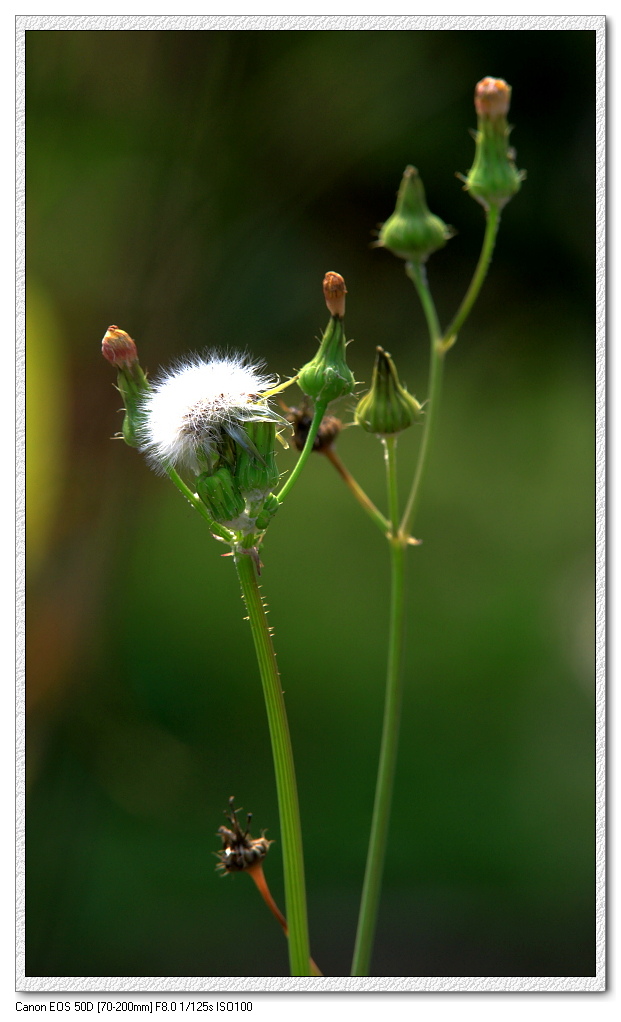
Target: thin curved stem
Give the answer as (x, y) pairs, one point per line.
(418, 276)
(369, 905)
(196, 502)
(257, 874)
(288, 806)
(489, 240)
(365, 501)
(318, 414)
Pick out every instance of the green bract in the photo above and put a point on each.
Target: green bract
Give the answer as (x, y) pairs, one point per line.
(387, 408)
(412, 232)
(133, 385)
(328, 377)
(220, 494)
(270, 507)
(256, 472)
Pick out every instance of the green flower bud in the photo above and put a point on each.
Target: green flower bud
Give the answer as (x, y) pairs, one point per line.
(328, 377)
(220, 494)
(412, 232)
(120, 350)
(256, 472)
(493, 178)
(387, 408)
(270, 507)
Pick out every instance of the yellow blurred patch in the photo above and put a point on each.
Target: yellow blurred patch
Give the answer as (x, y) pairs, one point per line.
(46, 404)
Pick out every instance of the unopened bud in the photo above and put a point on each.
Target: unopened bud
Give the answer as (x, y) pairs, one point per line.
(493, 178)
(220, 494)
(269, 509)
(328, 377)
(334, 292)
(387, 408)
(412, 232)
(119, 348)
(492, 97)
(256, 472)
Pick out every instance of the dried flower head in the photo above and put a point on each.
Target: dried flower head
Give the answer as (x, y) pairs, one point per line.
(193, 405)
(240, 851)
(301, 419)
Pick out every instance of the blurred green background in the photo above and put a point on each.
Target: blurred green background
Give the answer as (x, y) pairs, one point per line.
(193, 187)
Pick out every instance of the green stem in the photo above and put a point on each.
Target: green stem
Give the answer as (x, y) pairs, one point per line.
(390, 460)
(318, 414)
(400, 536)
(489, 240)
(290, 828)
(418, 276)
(365, 501)
(371, 890)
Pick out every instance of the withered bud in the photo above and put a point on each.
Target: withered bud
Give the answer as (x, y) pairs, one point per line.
(118, 348)
(334, 292)
(492, 97)
(240, 851)
(301, 419)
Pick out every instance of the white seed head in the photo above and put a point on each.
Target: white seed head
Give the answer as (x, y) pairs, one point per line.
(194, 402)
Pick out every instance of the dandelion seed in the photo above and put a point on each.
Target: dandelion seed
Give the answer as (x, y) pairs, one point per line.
(197, 404)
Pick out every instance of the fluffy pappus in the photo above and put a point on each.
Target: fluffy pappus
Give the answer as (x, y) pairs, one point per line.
(196, 401)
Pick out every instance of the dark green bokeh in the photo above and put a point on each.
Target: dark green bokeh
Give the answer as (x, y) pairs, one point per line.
(194, 187)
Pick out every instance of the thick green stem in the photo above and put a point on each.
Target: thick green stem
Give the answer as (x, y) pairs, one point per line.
(369, 905)
(489, 240)
(318, 414)
(290, 828)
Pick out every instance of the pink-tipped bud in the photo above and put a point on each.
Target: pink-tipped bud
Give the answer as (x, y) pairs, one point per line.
(492, 97)
(118, 348)
(334, 292)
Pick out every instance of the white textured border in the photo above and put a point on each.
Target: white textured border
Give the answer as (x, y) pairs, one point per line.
(257, 22)
(316, 22)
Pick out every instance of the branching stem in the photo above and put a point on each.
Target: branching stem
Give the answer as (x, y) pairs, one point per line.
(399, 537)
(417, 274)
(489, 240)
